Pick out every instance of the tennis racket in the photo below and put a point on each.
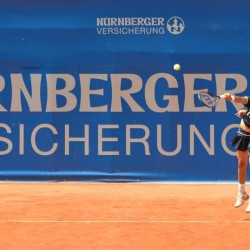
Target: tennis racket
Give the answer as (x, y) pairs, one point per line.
(208, 99)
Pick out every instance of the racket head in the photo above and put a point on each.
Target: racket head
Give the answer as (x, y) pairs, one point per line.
(208, 99)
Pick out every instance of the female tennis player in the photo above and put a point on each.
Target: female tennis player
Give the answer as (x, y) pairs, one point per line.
(241, 143)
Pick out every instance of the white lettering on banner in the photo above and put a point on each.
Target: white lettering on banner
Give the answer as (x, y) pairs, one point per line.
(53, 92)
(113, 84)
(130, 21)
(118, 94)
(138, 25)
(179, 141)
(19, 87)
(131, 31)
(2, 86)
(21, 139)
(102, 139)
(34, 143)
(194, 131)
(84, 139)
(5, 140)
(86, 92)
(145, 141)
(150, 91)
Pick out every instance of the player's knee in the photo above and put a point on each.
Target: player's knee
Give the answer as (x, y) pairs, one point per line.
(242, 163)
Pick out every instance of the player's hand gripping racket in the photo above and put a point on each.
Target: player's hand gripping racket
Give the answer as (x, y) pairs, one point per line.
(208, 99)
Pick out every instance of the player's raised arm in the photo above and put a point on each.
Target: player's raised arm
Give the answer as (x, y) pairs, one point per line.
(237, 99)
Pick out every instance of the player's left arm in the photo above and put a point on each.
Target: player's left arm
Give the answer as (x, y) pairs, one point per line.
(241, 112)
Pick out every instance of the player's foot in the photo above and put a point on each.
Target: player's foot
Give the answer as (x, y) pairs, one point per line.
(240, 199)
(248, 207)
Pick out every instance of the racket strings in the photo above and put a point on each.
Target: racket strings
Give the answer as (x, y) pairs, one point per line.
(208, 99)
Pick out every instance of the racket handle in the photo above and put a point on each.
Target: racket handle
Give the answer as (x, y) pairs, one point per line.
(221, 96)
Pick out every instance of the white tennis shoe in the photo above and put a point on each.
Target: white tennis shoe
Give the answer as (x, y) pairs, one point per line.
(240, 199)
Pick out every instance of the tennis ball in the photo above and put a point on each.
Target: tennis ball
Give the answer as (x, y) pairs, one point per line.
(177, 67)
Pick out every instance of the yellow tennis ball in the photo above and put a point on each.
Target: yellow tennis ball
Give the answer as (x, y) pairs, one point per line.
(177, 67)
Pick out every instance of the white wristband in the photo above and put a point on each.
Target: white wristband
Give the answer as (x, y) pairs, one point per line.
(233, 98)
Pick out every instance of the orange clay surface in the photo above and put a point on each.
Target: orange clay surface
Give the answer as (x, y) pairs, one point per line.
(72, 216)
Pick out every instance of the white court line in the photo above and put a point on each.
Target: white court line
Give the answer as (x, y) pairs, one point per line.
(125, 221)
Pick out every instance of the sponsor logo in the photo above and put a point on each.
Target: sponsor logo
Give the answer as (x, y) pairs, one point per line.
(139, 25)
(175, 25)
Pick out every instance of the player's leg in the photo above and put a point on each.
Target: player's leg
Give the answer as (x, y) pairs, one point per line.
(248, 206)
(242, 164)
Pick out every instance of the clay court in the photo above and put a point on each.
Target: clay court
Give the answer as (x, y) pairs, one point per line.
(121, 216)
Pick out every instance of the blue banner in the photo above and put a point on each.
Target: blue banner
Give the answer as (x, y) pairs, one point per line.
(88, 90)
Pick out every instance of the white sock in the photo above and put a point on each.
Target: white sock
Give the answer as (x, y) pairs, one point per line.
(241, 188)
